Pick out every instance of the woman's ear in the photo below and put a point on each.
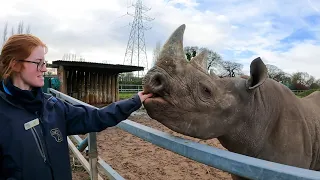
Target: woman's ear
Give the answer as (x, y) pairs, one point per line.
(15, 66)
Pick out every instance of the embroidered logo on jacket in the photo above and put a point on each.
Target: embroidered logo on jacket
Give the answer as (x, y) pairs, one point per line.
(56, 133)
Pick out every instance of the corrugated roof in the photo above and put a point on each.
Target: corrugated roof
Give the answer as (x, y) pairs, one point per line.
(94, 65)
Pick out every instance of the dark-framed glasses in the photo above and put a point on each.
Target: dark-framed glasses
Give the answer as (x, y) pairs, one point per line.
(40, 64)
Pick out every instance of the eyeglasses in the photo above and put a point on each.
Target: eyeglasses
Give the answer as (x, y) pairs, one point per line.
(40, 64)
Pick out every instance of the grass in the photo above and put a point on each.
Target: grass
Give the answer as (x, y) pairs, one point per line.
(306, 93)
(126, 95)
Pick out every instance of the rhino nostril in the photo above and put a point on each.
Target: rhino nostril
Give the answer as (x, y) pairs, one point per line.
(158, 83)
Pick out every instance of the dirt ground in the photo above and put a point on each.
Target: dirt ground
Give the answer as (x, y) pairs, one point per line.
(136, 159)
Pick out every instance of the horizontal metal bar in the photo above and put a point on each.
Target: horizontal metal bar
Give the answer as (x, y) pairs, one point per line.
(234, 163)
(131, 85)
(129, 90)
(225, 160)
(68, 98)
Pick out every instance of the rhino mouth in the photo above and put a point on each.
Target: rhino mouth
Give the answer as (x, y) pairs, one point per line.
(156, 97)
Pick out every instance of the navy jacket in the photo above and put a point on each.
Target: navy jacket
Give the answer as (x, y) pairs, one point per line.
(41, 153)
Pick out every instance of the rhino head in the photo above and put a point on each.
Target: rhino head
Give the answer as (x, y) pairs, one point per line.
(254, 116)
(189, 100)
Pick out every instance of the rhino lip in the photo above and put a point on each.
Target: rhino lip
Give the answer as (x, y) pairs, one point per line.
(155, 95)
(147, 90)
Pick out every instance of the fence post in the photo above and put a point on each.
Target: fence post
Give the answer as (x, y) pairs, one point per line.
(93, 155)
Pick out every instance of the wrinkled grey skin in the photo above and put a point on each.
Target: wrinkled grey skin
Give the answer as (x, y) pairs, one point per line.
(258, 116)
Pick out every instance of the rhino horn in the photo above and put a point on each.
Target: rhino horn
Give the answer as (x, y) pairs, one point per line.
(201, 60)
(174, 45)
(212, 74)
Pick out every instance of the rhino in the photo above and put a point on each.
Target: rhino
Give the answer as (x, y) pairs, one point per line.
(255, 116)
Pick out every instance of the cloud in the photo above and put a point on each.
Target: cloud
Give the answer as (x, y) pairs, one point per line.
(285, 33)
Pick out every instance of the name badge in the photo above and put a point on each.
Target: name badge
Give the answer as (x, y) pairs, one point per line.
(31, 124)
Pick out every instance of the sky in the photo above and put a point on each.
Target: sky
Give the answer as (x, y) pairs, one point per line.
(283, 33)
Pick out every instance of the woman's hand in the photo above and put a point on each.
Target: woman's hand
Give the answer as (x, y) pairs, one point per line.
(143, 96)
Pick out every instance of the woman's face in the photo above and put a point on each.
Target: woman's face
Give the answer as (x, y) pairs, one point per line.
(32, 73)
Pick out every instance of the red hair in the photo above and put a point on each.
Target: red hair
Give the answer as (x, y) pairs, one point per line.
(17, 47)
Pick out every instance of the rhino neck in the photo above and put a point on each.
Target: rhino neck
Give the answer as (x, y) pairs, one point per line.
(253, 121)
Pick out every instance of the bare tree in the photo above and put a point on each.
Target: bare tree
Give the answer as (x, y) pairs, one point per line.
(28, 31)
(82, 59)
(213, 59)
(72, 57)
(302, 78)
(12, 31)
(275, 73)
(20, 30)
(230, 69)
(310, 80)
(5, 32)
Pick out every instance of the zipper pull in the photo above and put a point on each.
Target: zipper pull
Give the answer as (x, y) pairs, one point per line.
(44, 159)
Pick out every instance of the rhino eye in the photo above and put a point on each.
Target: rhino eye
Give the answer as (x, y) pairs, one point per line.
(205, 90)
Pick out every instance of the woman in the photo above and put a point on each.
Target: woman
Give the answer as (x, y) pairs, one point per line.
(34, 126)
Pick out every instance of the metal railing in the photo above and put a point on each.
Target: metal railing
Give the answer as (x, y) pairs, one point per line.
(130, 88)
(233, 163)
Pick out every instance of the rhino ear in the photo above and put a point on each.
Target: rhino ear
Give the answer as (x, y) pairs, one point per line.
(258, 73)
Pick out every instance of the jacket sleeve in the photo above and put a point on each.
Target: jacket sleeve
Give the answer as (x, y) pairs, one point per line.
(84, 119)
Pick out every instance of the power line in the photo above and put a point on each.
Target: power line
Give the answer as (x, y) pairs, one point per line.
(136, 54)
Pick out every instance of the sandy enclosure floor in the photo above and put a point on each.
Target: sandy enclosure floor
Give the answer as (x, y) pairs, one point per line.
(136, 159)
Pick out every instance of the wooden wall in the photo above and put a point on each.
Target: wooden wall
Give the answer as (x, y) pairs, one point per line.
(89, 86)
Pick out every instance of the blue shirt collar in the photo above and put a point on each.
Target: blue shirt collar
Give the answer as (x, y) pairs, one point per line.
(6, 89)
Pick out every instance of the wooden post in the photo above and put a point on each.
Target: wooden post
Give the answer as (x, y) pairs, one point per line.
(87, 87)
(83, 79)
(100, 88)
(109, 89)
(104, 89)
(117, 86)
(96, 88)
(91, 87)
(79, 82)
(113, 88)
(75, 90)
(63, 79)
(69, 82)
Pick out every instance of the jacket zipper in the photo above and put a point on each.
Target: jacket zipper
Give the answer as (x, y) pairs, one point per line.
(39, 143)
(43, 144)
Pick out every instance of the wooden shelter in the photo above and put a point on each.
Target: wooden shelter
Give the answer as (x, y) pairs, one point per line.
(92, 83)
